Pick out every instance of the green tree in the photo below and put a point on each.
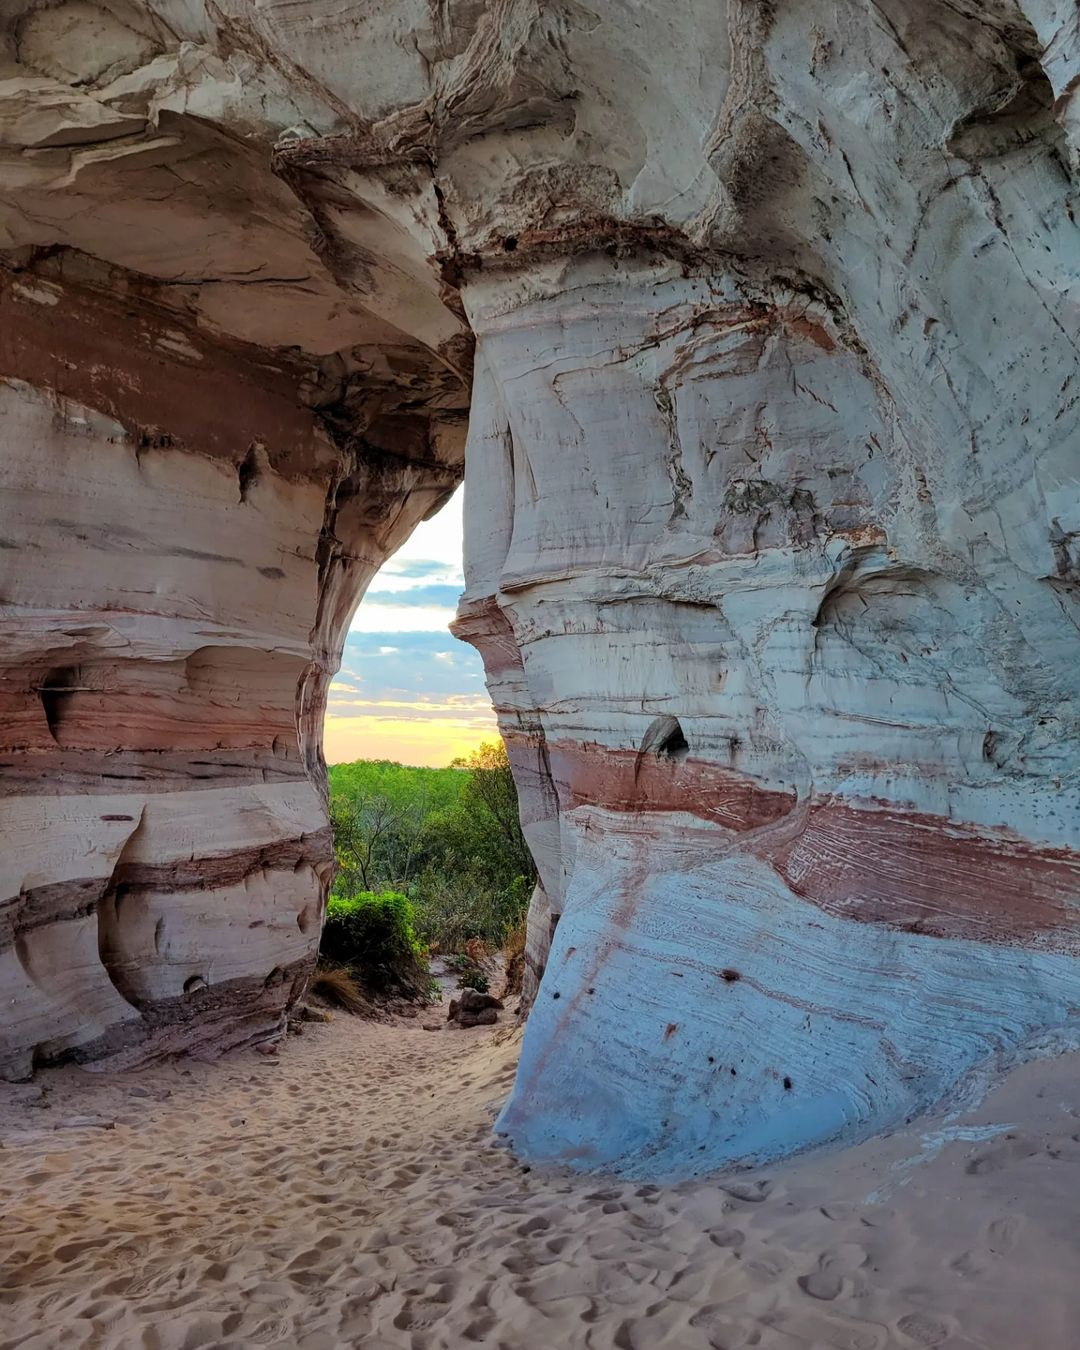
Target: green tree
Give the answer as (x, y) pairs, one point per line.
(492, 794)
(448, 839)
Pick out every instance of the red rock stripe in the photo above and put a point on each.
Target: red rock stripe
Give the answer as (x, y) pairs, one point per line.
(927, 875)
(53, 772)
(872, 864)
(101, 350)
(623, 780)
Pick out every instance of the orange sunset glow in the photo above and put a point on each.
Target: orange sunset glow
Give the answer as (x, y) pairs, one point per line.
(407, 689)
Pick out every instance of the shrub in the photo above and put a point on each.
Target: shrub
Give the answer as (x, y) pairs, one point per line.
(476, 950)
(454, 908)
(373, 934)
(474, 979)
(449, 839)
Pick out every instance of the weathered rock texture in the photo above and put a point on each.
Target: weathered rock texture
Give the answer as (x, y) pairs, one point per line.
(772, 522)
(220, 414)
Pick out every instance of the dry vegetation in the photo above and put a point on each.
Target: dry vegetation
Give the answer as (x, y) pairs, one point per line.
(514, 951)
(336, 986)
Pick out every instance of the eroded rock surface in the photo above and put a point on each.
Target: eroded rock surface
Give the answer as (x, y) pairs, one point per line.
(771, 503)
(214, 432)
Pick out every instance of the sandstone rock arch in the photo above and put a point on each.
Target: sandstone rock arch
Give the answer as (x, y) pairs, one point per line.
(755, 336)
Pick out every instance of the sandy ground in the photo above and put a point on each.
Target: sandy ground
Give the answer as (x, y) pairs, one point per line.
(346, 1193)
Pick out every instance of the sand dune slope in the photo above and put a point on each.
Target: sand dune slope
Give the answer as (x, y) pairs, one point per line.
(346, 1193)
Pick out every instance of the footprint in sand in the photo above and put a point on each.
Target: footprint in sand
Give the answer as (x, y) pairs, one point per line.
(841, 1210)
(594, 1196)
(927, 1329)
(1012, 1149)
(844, 1259)
(71, 1251)
(479, 1329)
(407, 1320)
(1002, 1234)
(120, 1285)
(518, 1265)
(969, 1264)
(304, 1260)
(1066, 1150)
(361, 1295)
(827, 1282)
(769, 1265)
(823, 1331)
(821, 1284)
(266, 1333)
(721, 1331)
(752, 1192)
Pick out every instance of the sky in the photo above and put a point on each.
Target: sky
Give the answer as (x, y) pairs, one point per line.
(407, 689)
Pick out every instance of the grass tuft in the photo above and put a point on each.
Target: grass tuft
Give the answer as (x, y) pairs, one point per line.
(514, 950)
(337, 986)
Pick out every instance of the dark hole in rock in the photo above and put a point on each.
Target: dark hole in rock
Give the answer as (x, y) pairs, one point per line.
(193, 984)
(787, 1083)
(510, 243)
(1011, 117)
(675, 745)
(346, 491)
(55, 692)
(730, 975)
(248, 472)
(665, 739)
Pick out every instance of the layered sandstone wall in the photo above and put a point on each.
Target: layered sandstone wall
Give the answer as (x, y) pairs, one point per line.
(795, 739)
(175, 593)
(772, 509)
(771, 516)
(214, 431)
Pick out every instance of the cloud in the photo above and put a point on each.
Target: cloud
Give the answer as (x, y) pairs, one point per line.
(442, 595)
(407, 689)
(417, 708)
(392, 621)
(397, 583)
(407, 668)
(419, 569)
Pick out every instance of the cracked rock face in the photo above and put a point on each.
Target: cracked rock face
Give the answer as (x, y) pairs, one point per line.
(765, 326)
